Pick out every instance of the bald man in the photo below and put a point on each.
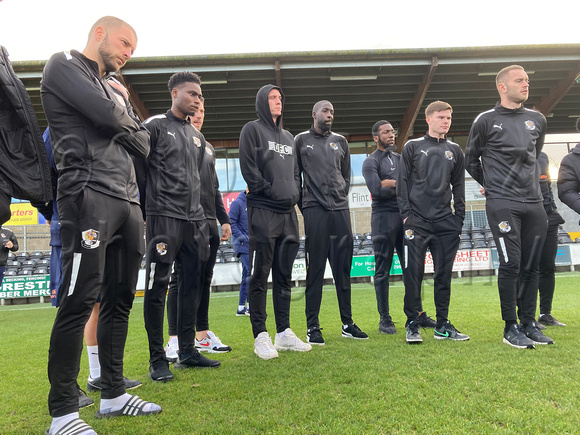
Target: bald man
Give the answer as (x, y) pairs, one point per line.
(323, 174)
(101, 222)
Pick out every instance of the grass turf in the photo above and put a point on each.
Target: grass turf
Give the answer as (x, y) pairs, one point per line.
(380, 385)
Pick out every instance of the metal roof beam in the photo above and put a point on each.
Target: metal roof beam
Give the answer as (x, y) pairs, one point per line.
(550, 101)
(415, 105)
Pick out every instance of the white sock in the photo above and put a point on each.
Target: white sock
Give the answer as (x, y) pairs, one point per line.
(240, 307)
(94, 364)
(173, 340)
(116, 404)
(59, 422)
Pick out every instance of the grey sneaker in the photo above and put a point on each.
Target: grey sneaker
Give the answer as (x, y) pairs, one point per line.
(516, 337)
(413, 335)
(448, 332)
(549, 320)
(537, 336)
(387, 327)
(425, 321)
(84, 400)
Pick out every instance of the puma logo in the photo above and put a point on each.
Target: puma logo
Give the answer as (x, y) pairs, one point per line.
(172, 134)
(424, 152)
(498, 126)
(310, 146)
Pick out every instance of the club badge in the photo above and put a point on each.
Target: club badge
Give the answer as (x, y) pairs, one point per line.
(530, 125)
(208, 151)
(197, 142)
(90, 239)
(448, 155)
(504, 227)
(409, 234)
(161, 248)
(333, 146)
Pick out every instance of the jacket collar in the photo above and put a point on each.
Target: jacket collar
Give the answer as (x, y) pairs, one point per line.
(504, 110)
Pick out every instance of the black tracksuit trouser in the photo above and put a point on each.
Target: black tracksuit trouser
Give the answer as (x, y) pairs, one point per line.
(102, 248)
(547, 280)
(519, 230)
(328, 236)
(442, 239)
(387, 234)
(202, 319)
(273, 247)
(185, 242)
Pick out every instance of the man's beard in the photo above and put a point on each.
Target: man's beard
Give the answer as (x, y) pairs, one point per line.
(387, 147)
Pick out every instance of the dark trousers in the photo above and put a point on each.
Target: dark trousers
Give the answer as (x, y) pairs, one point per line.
(519, 230)
(328, 236)
(245, 260)
(387, 233)
(202, 319)
(442, 239)
(547, 280)
(273, 246)
(102, 248)
(186, 243)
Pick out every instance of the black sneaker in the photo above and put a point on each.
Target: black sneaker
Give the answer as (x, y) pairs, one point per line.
(387, 327)
(413, 334)
(95, 384)
(516, 337)
(314, 336)
(448, 332)
(537, 336)
(425, 321)
(353, 331)
(549, 320)
(159, 371)
(195, 359)
(84, 400)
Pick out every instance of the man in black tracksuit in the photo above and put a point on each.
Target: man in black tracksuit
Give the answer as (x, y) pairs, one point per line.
(267, 164)
(380, 170)
(547, 266)
(93, 131)
(323, 174)
(502, 150)
(432, 174)
(176, 226)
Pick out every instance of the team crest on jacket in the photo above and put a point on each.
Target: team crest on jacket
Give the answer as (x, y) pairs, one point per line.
(3, 235)
(208, 151)
(448, 155)
(530, 125)
(197, 142)
(90, 239)
(504, 227)
(409, 234)
(161, 248)
(333, 146)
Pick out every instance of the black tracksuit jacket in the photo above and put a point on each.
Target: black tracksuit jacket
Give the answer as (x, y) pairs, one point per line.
(379, 166)
(502, 151)
(432, 173)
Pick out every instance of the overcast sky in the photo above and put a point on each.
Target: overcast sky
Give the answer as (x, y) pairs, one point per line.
(35, 29)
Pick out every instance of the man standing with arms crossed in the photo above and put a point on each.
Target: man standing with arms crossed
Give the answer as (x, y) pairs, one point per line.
(267, 164)
(380, 170)
(93, 134)
(502, 151)
(431, 176)
(323, 174)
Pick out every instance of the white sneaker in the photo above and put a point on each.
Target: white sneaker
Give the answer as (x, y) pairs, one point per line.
(211, 344)
(287, 340)
(263, 346)
(171, 349)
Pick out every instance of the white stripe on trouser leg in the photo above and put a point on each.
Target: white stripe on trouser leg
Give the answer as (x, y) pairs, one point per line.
(77, 256)
(503, 249)
(151, 276)
(406, 256)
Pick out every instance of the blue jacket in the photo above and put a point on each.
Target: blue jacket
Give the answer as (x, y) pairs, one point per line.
(239, 221)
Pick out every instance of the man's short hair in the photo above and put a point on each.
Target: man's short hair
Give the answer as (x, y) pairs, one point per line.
(437, 106)
(375, 130)
(182, 77)
(108, 23)
(504, 72)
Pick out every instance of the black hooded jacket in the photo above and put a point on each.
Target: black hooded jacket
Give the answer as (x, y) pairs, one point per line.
(267, 159)
(24, 170)
(569, 179)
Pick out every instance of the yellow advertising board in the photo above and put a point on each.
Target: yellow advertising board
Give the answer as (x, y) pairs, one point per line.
(23, 213)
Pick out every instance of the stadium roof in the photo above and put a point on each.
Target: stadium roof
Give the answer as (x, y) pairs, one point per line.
(364, 86)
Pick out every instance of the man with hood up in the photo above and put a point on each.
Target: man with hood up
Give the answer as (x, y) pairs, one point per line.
(267, 162)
